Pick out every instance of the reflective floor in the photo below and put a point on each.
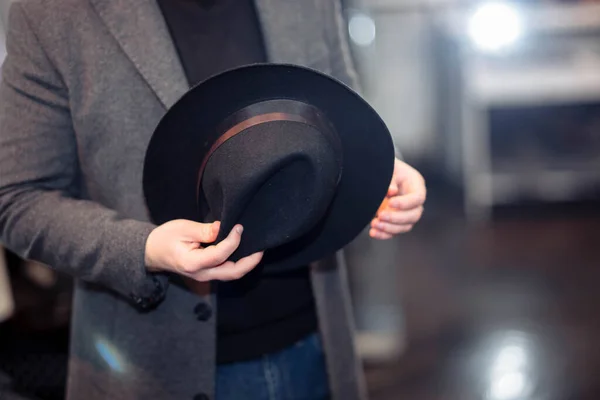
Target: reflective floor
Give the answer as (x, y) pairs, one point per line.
(505, 311)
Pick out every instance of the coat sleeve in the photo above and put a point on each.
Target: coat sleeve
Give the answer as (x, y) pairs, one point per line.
(342, 63)
(41, 217)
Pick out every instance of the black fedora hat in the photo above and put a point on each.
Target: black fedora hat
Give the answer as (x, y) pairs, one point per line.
(295, 156)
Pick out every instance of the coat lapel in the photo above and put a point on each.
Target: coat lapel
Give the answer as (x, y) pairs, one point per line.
(140, 29)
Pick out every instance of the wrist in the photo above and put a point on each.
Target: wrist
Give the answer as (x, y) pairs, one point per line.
(149, 259)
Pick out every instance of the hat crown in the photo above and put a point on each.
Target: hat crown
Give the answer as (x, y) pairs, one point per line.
(276, 178)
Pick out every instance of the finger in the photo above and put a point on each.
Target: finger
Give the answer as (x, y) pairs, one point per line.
(214, 255)
(408, 201)
(384, 205)
(393, 229)
(401, 217)
(393, 190)
(376, 234)
(229, 271)
(199, 232)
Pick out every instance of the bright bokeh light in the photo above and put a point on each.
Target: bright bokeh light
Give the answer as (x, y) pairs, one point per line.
(512, 357)
(362, 29)
(510, 373)
(509, 386)
(495, 26)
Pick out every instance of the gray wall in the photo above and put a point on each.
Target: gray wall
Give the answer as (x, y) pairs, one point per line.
(397, 72)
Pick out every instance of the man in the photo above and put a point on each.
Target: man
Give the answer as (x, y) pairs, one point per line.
(84, 85)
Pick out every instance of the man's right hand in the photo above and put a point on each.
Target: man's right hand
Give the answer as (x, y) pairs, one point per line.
(176, 247)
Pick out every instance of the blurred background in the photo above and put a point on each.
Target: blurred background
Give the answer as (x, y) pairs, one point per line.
(494, 295)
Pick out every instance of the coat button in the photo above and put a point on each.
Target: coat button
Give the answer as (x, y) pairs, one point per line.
(203, 312)
(201, 396)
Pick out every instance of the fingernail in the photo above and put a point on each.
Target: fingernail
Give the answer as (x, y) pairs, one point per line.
(380, 226)
(239, 229)
(384, 217)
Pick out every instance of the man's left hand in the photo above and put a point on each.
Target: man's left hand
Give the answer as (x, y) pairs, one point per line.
(403, 205)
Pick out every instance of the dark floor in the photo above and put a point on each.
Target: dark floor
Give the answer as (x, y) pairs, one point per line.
(505, 311)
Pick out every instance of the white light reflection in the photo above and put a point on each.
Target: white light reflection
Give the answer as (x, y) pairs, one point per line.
(511, 357)
(362, 29)
(510, 374)
(509, 386)
(110, 355)
(495, 26)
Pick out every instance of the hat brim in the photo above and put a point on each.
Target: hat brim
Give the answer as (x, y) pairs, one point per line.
(189, 128)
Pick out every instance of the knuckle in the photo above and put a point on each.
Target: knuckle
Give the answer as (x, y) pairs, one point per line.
(212, 259)
(186, 265)
(237, 274)
(221, 257)
(187, 268)
(399, 219)
(217, 258)
(200, 277)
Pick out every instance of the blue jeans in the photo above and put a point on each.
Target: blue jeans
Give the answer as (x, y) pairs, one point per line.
(296, 373)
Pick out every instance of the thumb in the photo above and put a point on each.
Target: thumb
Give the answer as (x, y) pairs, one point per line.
(199, 232)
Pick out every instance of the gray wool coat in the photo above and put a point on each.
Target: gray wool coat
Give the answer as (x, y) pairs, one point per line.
(84, 84)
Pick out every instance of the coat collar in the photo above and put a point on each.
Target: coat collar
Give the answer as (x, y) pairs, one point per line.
(140, 29)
